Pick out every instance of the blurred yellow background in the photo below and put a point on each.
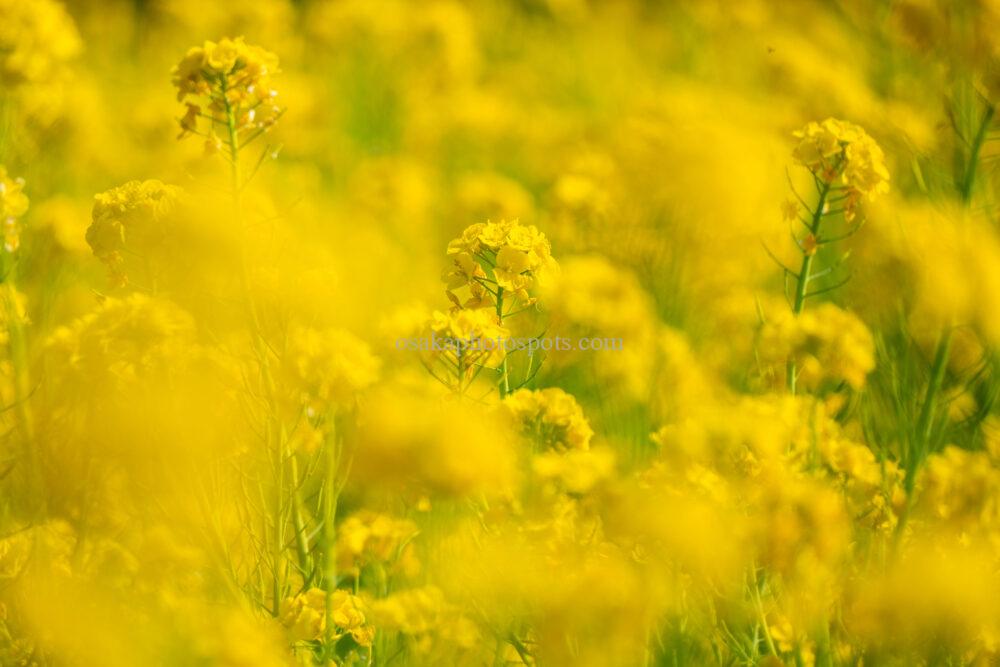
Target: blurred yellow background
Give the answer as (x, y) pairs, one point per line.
(219, 219)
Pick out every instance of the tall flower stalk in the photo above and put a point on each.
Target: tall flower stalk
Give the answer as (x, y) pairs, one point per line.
(13, 205)
(922, 435)
(846, 166)
(227, 89)
(495, 269)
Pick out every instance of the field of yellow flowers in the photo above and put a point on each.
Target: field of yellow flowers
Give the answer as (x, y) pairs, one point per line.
(583, 333)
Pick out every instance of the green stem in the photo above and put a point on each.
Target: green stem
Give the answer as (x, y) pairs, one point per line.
(805, 270)
(237, 186)
(969, 181)
(920, 445)
(274, 433)
(278, 547)
(938, 370)
(18, 353)
(504, 384)
(330, 535)
(759, 606)
(301, 538)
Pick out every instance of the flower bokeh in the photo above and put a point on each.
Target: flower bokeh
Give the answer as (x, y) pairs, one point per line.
(493, 332)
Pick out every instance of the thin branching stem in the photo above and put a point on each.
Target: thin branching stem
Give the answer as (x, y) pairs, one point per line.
(802, 277)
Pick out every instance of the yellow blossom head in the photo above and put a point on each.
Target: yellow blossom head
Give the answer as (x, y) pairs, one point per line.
(326, 369)
(551, 418)
(227, 84)
(131, 218)
(826, 342)
(842, 154)
(494, 256)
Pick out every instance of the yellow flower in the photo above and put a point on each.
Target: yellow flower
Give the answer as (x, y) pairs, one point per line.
(576, 471)
(789, 210)
(470, 337)
(961, 488)
(494, 234)
(122, 339)
(222, 57)
(465, 271)
(506, 255)
(132, 217)
(819, 142)
(550, 417)
(421, 444)
(13, 204)
(227, 78)
(468, 242)
(37, 40)
(826, 342)
(326, 369)
(305, 616)
(424, 615)
(842, 153)
(511, 265)
(369, 537)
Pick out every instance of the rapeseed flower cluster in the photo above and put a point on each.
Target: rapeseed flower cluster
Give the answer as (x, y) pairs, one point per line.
(519, 255)
(842, 154)
(132, 219)
(228, 84)
(552, 417)
(826, 342)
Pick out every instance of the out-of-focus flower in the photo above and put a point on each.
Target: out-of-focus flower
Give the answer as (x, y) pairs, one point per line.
(575, 471)
(37, 40)
(305, 616)
(435, 44)
(238, 639)
(13, 204)
(466, 341)
(131, 218)
(962, 489)
(369, 537)
(409, 442)
(826, 342)
(803, 529)
(936, 596)
(269, 21)
(122, 339)
(491, 196)
(425, 616)
(326, 369)
(64, 222)
(550, 418)
(944, 263)
(594, 298)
